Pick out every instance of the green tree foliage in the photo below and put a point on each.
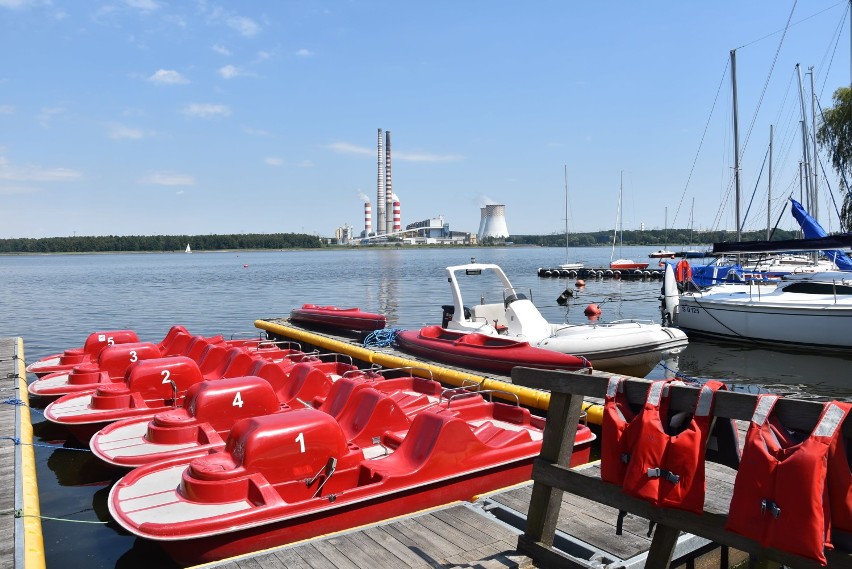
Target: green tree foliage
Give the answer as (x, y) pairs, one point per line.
(651, 237)
(159, 243)
(835, 135)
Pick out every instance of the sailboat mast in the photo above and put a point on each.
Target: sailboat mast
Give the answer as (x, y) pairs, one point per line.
(736, 139)
(769, 188)
(815, 189)
(566, 214)
(805, 148)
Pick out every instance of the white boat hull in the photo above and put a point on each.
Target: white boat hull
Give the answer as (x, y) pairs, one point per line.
(754, 314)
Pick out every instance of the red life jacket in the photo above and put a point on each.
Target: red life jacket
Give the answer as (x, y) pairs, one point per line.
(780, 493)
(840, 490)
(666, 464)
(617, 417)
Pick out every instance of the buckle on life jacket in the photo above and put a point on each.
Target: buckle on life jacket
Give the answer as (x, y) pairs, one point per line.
(660, 473)
(625, 458)
(773, 508)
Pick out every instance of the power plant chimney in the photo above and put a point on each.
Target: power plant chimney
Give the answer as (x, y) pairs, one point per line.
(380, 193)
(388, 190)
(493, 222)
(368, 219)
(397, 214)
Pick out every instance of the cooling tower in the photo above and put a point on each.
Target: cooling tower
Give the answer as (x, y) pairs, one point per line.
(397, 215)
(481, 223)
(380, 192)
(368, 219)
(493, 222)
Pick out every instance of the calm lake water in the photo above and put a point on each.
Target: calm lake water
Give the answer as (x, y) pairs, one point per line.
(54, 302)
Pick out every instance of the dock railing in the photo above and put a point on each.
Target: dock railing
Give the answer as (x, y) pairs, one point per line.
(551, 475)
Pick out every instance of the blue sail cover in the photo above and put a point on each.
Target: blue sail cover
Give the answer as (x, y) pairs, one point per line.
(811, 228)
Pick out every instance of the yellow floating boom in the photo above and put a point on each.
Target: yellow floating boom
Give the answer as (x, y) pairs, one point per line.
(530, 397)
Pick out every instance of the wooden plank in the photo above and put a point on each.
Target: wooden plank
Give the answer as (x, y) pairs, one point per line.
(794, 413)
(365, 552)
(662, 547)
(315, 559)
(329, 553)
(406, 556)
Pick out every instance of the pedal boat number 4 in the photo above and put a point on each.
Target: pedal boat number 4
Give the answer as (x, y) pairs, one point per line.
(290, 476)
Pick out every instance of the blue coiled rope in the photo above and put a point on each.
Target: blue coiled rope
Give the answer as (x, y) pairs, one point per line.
(383, 338)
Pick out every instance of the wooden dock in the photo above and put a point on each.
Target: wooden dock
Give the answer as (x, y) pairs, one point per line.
(21, 543)
(483, 533)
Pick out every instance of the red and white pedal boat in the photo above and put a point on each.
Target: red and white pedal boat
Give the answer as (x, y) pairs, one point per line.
(342, 318)
(290, 476)
(94, 343)
(150, 387)
(211, 408)
(112, 363)
(498, 354)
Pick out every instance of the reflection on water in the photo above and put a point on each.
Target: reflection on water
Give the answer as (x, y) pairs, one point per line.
(55, 301)
(794, 373)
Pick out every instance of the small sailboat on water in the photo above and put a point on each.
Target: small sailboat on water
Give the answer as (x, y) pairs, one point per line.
(188, 250)
(568, 264)
(622, 263)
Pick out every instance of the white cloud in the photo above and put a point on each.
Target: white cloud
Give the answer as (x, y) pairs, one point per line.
(167, 77)
(304, 52)
(7, 109)
(273, 161)
(118, 131)
(47, 114)
(168, 179)
(206, 110)
(245, 26)
(35, 173)
(229, 72)
(144, 5)
(221, 50)
(347, 148)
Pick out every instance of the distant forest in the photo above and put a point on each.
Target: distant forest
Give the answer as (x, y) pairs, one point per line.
(160, 243)
(670, 237)
(166, 243)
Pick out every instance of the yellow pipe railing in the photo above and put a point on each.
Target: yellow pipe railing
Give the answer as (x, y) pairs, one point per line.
(530, 397)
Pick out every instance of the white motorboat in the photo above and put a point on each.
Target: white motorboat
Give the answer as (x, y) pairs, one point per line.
(811, 311)
(628, 347)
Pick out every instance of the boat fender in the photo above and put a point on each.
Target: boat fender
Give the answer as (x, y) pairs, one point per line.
(562, 300)
(580, 283)
(616, 275)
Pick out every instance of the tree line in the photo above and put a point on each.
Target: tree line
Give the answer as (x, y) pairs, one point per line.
(675, 237)
(159, 243)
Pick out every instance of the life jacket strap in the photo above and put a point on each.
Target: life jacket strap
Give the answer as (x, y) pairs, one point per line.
(660, 473)
(619, 523)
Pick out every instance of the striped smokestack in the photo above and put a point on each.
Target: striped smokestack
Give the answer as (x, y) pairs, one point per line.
(388, 191)
(380, 192)
(368, 219)
(397, 214)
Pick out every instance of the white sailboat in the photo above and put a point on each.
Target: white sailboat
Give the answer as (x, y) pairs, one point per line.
(568, 265)
(188, 250)
(622, 264)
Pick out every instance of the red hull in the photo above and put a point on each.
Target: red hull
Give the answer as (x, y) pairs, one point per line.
(203, 550)
(488, 353)
(334, 317)
(628, 266)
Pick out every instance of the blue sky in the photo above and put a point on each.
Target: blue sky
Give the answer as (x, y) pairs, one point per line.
(164, 117)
